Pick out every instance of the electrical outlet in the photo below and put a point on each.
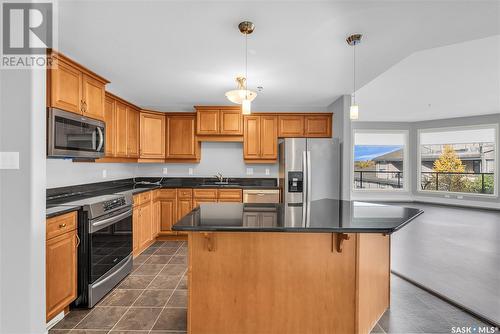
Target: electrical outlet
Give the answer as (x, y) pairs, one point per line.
(104, 173)
(165, 170)
(249, 171)
(268, 172)
(190, 171)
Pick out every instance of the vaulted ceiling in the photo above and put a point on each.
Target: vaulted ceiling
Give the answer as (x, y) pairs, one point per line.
(171, 55)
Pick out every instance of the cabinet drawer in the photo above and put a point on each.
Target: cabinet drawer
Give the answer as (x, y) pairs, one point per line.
(184, 193)
(60, 225)
(230, 194)
(142, 197)
(167, 194)
(205, 193)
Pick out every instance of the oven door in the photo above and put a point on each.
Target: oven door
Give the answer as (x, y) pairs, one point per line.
(110, 241)
(71, 135)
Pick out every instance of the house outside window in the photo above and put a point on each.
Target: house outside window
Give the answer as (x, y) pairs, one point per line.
(380, 160)
(458, 160)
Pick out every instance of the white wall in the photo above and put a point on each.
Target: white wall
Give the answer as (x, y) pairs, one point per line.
(22, 202)
(226, 158)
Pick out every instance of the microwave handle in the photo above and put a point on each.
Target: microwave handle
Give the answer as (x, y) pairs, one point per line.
(101, 139)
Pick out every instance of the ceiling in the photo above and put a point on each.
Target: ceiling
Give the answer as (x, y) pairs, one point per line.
(171, 55)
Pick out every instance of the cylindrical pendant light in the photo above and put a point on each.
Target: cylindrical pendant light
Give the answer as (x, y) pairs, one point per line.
(353, 40)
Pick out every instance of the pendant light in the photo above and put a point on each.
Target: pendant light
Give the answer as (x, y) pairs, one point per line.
(242, 95)
(354, 40)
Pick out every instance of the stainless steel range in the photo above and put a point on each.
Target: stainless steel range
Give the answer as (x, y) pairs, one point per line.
(105, 252)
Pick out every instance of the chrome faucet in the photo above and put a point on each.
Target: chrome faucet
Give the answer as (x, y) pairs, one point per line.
(219, 177)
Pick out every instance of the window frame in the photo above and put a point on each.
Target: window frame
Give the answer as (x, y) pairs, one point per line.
(406, 161)
(459, 195)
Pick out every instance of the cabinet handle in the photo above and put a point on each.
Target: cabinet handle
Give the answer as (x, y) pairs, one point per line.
(62, 225)
(77, 240)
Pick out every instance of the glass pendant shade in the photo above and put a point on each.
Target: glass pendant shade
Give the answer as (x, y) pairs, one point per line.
(354, 112)
(246, 108)
(238, 95)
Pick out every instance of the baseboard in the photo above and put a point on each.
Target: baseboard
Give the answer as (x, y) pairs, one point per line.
(55, 320)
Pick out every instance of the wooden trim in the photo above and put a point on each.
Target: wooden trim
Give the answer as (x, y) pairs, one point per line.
(150, 160)
(178, 161)
(217, 107)
(116, 97)
(116, 160)
(260, 161)
(219, 138)
(66, 59)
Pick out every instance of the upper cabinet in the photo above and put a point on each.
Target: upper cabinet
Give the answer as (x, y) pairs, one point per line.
(132, 132)
(74, 88)
(318, 125)
(222, 122)
(110, 120)
(181, 142)
(305, 125)
(152, 135)
(260, 139)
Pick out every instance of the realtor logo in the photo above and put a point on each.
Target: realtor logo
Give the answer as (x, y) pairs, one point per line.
(27, 28)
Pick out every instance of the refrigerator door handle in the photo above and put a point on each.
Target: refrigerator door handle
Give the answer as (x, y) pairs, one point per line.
(309, 188)
(305, 182)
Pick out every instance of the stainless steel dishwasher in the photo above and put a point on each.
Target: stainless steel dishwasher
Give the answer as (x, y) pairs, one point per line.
(261, 196)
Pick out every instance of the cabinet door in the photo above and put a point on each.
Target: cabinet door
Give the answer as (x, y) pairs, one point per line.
(181, 140)
(145, 227)
(230, 195)
(61, 269)
(207, 122)
(184, 206)
(168, 214)
(318, 126)
(121, 130)
(110, 120)
(291, 126)
(152, 131)
(65, 87)
(269, 137)
(156, 218)
(132, 132)
(231, 122)
(93, 97)
(136, 217)
(251, 137)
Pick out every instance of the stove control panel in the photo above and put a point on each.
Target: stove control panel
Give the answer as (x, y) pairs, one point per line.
(113, 204)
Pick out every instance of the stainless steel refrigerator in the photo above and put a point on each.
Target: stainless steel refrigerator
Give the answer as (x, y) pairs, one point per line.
(309, 169)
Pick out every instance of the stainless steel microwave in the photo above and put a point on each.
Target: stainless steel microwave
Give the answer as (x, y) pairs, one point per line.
(74, 136)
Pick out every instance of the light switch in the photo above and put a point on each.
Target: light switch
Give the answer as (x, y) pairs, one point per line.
(165, 170)
(9, 160)
(104, 173)
(190, 171)
(268, 172)
(249, 171)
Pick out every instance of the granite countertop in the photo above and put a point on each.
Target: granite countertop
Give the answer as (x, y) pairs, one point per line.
(60, 209)
(58, 197)
(326, 215)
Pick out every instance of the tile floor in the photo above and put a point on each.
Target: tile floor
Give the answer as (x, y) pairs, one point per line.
(153, 300)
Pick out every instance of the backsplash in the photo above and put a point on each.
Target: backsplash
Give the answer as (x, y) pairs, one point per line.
(226, 158)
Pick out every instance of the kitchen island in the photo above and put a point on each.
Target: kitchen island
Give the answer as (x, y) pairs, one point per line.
(276, 268)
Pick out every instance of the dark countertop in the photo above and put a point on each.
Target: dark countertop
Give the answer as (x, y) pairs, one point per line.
(326, 215)
(60, 209)
(58, 197)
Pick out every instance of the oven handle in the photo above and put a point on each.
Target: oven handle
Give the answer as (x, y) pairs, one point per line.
(101, 139)
(100, 224)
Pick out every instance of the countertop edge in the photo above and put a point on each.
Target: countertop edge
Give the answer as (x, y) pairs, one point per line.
(60, 210)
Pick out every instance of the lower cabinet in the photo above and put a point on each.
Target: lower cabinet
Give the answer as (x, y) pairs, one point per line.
(61, 263)
(142, 223)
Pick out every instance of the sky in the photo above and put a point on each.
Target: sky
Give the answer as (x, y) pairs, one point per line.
(368, 152)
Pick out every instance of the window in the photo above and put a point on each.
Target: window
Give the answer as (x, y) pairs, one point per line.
(380, 160)
(458, 160)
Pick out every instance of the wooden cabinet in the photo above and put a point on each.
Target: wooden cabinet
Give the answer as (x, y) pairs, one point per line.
(168, 210)
(181, 143)
(318, 126)
(152, 134)
(132, 132)
(260, 139)
(204, 196)
(143, 231)
(61, 263)
(230, 195)
(291, 126)
(74, 88)
(121, 135)
(226, 122)
(184, 202)
(207, 122)
(110, 120)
